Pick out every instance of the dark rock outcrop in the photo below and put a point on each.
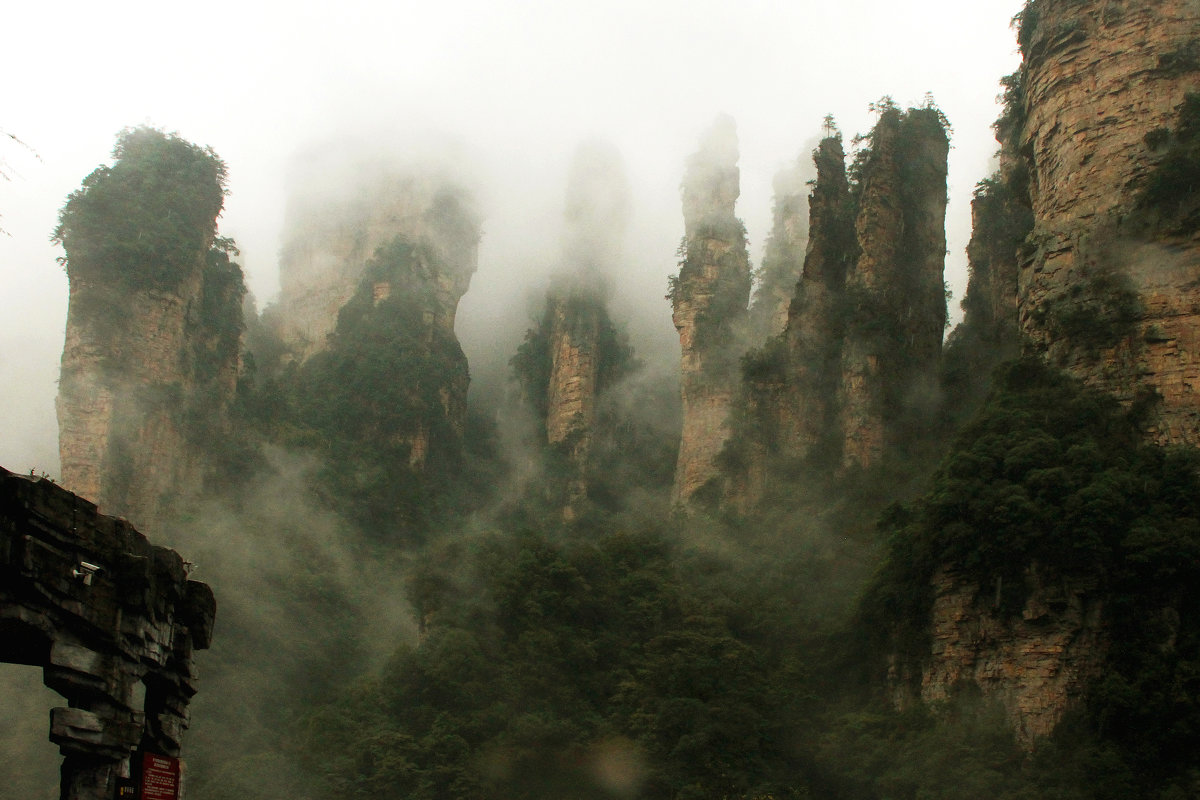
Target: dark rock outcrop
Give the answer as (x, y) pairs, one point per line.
(113, 622)
(895, 291)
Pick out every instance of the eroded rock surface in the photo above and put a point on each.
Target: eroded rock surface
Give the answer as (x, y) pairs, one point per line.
(709, 299)
(1037, 663)
(1114, 299)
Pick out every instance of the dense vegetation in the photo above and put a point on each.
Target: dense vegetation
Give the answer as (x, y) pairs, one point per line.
(582, 667)
(1051, 485)
(1168, 200)
(149, 218)
(639, 660)
(397, 452)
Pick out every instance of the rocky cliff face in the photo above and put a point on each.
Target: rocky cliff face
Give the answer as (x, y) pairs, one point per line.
(709, 299)
(1108, 288)
(786, 401)
(151, 354)
(1036, 664)
(862, 341)
(816, 324)
(1079, 247)
(129, 409)
(338, 216)
(783, 255)
(375, 261)
(895, 290)
(571, 395)
(397, 323)
(573, 353)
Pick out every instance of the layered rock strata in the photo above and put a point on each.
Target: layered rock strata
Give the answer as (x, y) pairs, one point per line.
(709, 299)
(1108, 289)
(1104, 285)
(1035, 664)
(113, 622)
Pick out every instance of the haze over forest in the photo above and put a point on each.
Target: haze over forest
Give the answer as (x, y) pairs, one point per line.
(684, 402)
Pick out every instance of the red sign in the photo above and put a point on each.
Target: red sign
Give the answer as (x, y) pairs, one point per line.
(160, 777)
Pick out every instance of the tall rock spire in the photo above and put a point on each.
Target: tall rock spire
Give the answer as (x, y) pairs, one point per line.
(573, 353)
(895, 290)
(861, 347)
(709, 299)
(814, 326)
(151, 355)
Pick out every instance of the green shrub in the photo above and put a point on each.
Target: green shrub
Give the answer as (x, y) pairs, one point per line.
(148, 220)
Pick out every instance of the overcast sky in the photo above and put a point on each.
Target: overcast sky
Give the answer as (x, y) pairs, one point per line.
(513, 85)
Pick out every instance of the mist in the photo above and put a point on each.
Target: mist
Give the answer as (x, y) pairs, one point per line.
(501, 95)
(517, 85)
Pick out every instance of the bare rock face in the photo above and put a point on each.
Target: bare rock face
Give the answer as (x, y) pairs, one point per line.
(128, 405)
(98, 408)
(571, 398)
(709, 299)
(575, 337)
(783, 256)
(1000, 221)
(1108, 289)
(1036, 664)
(339, 214)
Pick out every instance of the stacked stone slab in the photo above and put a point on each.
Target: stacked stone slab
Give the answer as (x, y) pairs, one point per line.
(111, 619)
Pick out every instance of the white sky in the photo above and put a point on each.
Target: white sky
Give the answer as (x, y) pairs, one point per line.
(516, 84)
